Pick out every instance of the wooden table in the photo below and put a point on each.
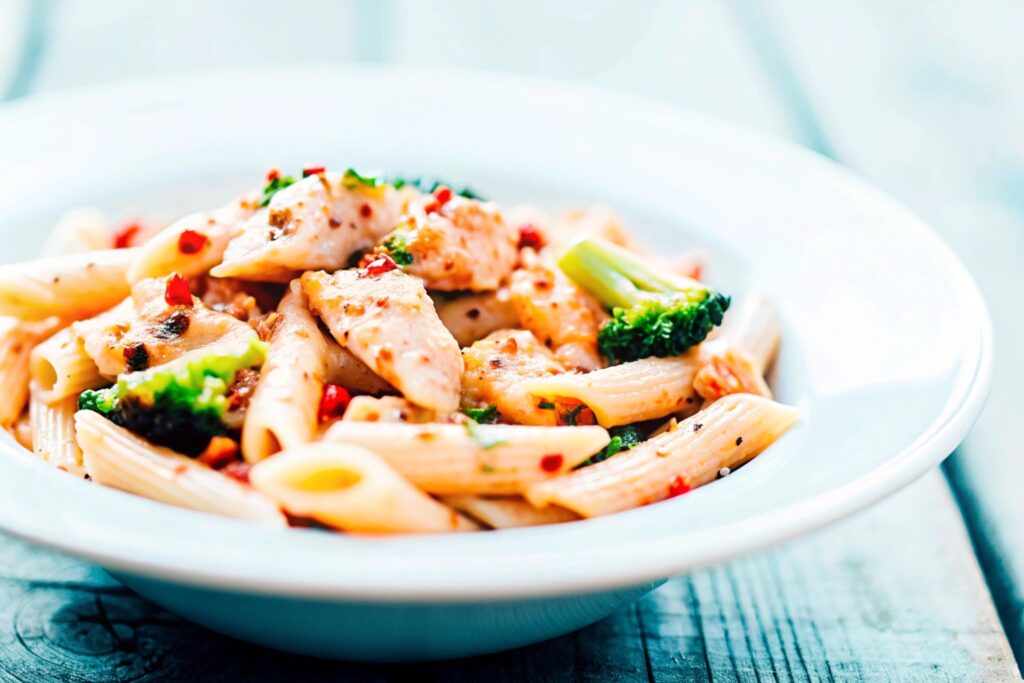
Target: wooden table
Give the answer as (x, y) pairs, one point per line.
(924, 100)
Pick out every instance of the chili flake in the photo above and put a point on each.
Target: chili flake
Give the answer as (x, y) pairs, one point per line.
(380, 265)
(312, 170)
(123, 237)
(219, 453)
(177, 293)
(552, 463)
(530, 236)
(273, 174)
(237, 470)
(191, 242)
(677, 486)
(333, 401)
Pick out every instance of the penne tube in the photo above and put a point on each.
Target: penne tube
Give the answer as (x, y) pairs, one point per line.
(386, 409)
(631, 392)
(283, 411)
(193, 244)
(754, 327)
(473, 317)
(353, 489)
(465, 459)
(17, 339)
(345, 369)
(21, 430)
(71, 287)
(508, 512)
(60, 367)
(53, 433)
(116, 457)
(77, 231)
(729, 433)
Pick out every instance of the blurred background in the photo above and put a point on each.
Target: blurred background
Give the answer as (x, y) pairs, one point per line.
(923, 98)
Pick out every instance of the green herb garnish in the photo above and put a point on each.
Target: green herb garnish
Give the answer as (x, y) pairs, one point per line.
(479, 434)
(273, 186)
(570, 417)
(486, 415)
(353, 179)
(546, 405)
(623, 439)
(397, 245)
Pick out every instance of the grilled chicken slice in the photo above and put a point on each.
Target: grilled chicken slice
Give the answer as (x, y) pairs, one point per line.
(562, 316)
(146, 331)
(454, 243)
(317, 223)
(387, 321)
(497, 365)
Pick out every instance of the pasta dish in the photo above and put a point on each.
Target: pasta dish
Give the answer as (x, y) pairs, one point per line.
(373, 354)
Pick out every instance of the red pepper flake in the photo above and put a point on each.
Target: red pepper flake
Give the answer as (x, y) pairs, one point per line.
(530, 236)
(219, 453)
(333, 402)
(312, 170)
(380, 265)
(552, 463)
(365, 210)
(677, 486)
(237, 470)
(273, 174)
(442, 196)
(177, 292)
(124, 236)
(191, 242)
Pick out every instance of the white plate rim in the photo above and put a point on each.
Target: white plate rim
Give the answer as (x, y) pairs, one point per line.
(649, 561)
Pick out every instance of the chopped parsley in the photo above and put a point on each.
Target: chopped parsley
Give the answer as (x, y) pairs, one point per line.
(623, 439)
(572, 416)
(486, 415)
(353, 179)
(429, 185)
(397, 245)
(479, 434)
(546, 405)
(275, 185)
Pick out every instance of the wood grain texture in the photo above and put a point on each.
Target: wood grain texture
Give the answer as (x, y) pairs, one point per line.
(894, 594)
(927, 104)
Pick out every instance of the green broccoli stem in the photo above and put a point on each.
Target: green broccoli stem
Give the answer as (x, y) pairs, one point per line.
(617, 277)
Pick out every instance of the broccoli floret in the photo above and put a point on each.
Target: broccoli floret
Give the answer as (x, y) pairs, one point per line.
(180, 404)
(653, 313)
(397, 245)
(623, 439)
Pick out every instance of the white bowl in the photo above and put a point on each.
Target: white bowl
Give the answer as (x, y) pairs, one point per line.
(886, 344)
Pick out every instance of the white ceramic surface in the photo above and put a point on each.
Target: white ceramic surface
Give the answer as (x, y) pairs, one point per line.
(886, 344)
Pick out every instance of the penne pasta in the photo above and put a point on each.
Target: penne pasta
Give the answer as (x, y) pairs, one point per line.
(508, 512)
(351, 488)
(754, 327)
(283, 411)
(71, 287)
(116, 457)
(194, 244)
(60, 367)
(21, 430)
(729, 433)
(17, 339)
(53, 433)
(480, 459)
(77, 231)
(631, 392)
(386, 409)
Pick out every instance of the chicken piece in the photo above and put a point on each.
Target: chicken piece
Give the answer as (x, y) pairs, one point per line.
(475, 316)
(562, 316)
(317, 223)
(246, 301)
(146, 331)
(387, 321)
(496, 367)
(454, 243)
